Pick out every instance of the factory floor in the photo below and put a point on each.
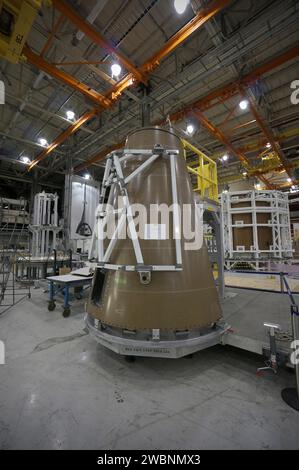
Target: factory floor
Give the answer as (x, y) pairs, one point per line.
(60, 390)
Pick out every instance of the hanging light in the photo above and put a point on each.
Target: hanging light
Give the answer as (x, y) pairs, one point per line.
(43, 142)
(180, 6)
(115, 70)
(289, 180)
(87, 176)
(244, 173)
(70, 115)
(258, 186)
(25, 160)
(190, 129)
(243, 104)
(268, 145)
(224, 158)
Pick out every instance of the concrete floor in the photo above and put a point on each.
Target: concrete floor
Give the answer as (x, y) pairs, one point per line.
(60, 390)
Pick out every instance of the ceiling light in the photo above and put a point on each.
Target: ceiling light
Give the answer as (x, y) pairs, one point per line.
(87, 176)
(289, 180)
(115, 70)
(70, 115)
(268, 145)
(243, 104)
(25, 159)
(43, 142)
(180, 6)
(190, 129)
(258, 186)
(244, 173)
(225, 158)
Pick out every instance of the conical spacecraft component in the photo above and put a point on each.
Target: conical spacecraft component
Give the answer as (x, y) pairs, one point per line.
(157, 288)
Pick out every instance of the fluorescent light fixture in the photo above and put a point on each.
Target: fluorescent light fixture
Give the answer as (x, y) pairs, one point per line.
(43, 142)
(87, 176)
(25, 159)
(180, 6)
(225, 158)
(190, 129)
(115, 70)
(70, 115)
(243, 104)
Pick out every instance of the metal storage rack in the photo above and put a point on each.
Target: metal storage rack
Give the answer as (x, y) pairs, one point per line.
(273, 203)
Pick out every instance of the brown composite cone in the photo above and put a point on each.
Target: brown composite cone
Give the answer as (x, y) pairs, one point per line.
(173, 300)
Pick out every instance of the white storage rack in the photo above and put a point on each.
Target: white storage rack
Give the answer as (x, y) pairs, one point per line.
(276, 204)
(45, 227)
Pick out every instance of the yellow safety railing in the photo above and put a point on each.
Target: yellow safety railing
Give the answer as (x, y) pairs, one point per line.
(205, 170)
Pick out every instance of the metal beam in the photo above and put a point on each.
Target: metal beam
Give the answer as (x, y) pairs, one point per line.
(8, 176)
(100, 156)
(42, 64)
(184, 33)
(232, 89)
(228, 90)
(54, 31)
(260, 144)
(62, 137)
(115, 92)
(97, 38)
(267, 131)
(218, 134)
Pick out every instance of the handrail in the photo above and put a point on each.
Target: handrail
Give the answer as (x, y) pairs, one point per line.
(205, 170)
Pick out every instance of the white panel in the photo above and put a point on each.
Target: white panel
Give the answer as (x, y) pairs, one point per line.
(155, 232)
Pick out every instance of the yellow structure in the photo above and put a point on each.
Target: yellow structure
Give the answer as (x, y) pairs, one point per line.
(205, 170)
(16, 19)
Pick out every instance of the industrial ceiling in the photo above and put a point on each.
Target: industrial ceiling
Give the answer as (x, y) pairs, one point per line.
(193, 68)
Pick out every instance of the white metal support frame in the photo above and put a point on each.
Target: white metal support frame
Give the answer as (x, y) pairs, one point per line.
(274, 203)
(114, 175)
(44, 227)
(176, 215)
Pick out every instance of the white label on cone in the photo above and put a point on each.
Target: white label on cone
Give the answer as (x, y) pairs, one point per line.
(155, 232)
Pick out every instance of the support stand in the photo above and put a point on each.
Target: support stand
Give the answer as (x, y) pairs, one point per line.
(272, 363)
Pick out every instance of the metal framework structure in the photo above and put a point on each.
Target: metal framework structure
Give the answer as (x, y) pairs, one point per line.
(273, 203)
(132, 78)
(114, 176)
(219, 135)
(205, 171)
(20, 17)
(141, 75)
(215, 97)
(14, 221)
(45, 227)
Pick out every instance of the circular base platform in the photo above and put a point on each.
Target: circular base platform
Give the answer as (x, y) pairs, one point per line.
(157, 348)
(290, 396)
